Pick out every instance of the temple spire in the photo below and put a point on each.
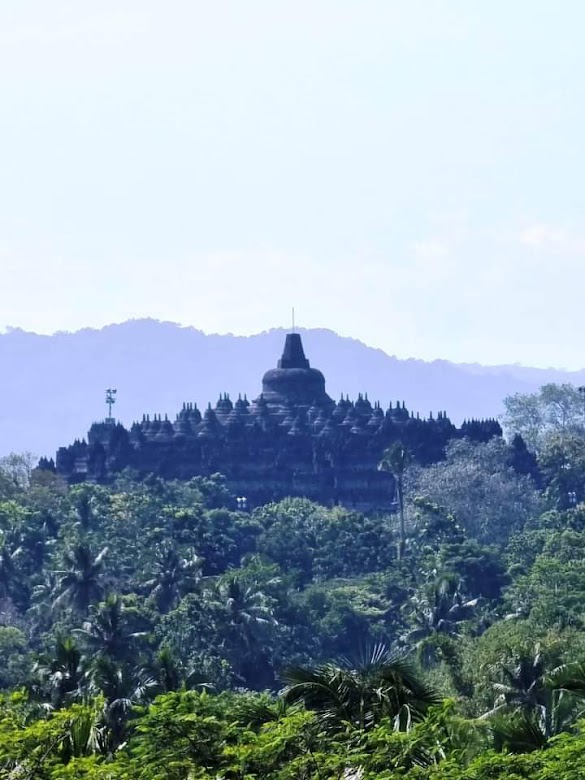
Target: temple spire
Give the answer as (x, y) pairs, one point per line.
(293, 355)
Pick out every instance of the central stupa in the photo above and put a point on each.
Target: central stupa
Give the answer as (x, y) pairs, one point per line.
(294, 382)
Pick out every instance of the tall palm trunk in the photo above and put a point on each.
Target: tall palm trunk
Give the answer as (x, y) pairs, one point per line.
(400, 499)
(395, 460)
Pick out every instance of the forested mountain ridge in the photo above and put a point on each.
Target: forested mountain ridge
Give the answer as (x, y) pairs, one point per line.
(53, 386)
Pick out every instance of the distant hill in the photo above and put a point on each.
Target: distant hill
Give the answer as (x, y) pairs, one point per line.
(53, 386)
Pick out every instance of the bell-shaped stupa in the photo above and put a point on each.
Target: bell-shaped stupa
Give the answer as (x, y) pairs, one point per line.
(294, 383)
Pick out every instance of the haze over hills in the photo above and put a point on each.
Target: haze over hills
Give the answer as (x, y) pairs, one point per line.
(53, 386)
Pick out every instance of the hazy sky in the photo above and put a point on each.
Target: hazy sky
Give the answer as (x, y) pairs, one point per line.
(408, 173)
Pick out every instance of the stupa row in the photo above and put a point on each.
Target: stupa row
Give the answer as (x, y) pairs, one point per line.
(293, 439)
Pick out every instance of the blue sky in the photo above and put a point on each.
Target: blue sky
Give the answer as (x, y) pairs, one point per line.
(407, 173)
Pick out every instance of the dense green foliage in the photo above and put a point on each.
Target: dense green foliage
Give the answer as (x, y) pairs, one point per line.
(149, 631)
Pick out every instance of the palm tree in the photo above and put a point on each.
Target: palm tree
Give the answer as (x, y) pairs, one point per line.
(395, 460)
(106, 632)
(522, 688)
(245, 606)
(439, 611)
(244, 615)
(62, 673)
(167, 674)
(42, 598)
(438, 615)
(84, 509)
(84, 735)
(79, 582)
(538, 704)
(9, 572)
(382, 685)
(174, 576)
(122, 690)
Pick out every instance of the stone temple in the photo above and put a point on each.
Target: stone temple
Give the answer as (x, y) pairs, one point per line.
(292, 440)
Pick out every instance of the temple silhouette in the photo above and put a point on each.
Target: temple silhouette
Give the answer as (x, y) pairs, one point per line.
(292, 440)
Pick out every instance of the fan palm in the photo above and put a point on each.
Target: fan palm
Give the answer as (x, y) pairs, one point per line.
(79, 583)
(517, 734)
(382, 685)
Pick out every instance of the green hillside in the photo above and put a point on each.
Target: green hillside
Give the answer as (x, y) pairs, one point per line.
(148, 631)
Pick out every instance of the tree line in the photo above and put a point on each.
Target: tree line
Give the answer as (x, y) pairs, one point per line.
(148, 630)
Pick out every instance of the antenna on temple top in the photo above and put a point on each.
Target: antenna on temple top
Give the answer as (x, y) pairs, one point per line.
(110, 401)
(293, 319)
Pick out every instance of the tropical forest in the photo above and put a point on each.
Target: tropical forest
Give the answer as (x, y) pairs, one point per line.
(149, 630)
